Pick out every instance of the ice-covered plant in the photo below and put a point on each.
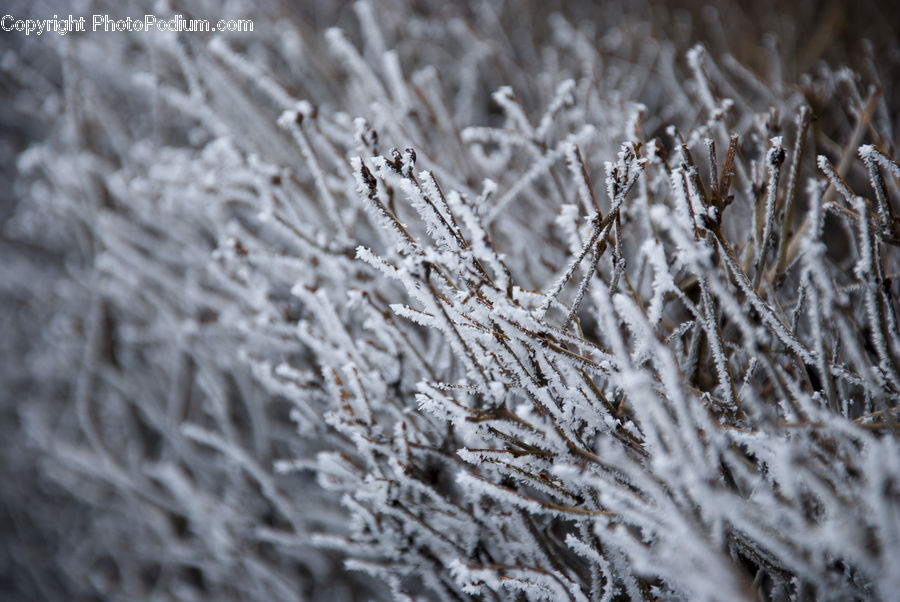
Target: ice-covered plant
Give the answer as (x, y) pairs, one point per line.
(445, 309)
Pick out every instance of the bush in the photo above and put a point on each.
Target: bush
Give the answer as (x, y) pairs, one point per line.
(502, 309)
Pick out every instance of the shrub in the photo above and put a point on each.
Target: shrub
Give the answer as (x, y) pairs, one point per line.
(461, 310)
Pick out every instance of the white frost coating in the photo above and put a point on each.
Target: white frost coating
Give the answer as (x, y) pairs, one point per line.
(540, 167)
(662, 279)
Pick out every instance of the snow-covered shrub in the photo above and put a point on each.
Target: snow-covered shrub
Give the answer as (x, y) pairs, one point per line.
(440, 309)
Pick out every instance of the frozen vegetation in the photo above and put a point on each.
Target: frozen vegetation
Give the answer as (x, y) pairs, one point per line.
(451, 304)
